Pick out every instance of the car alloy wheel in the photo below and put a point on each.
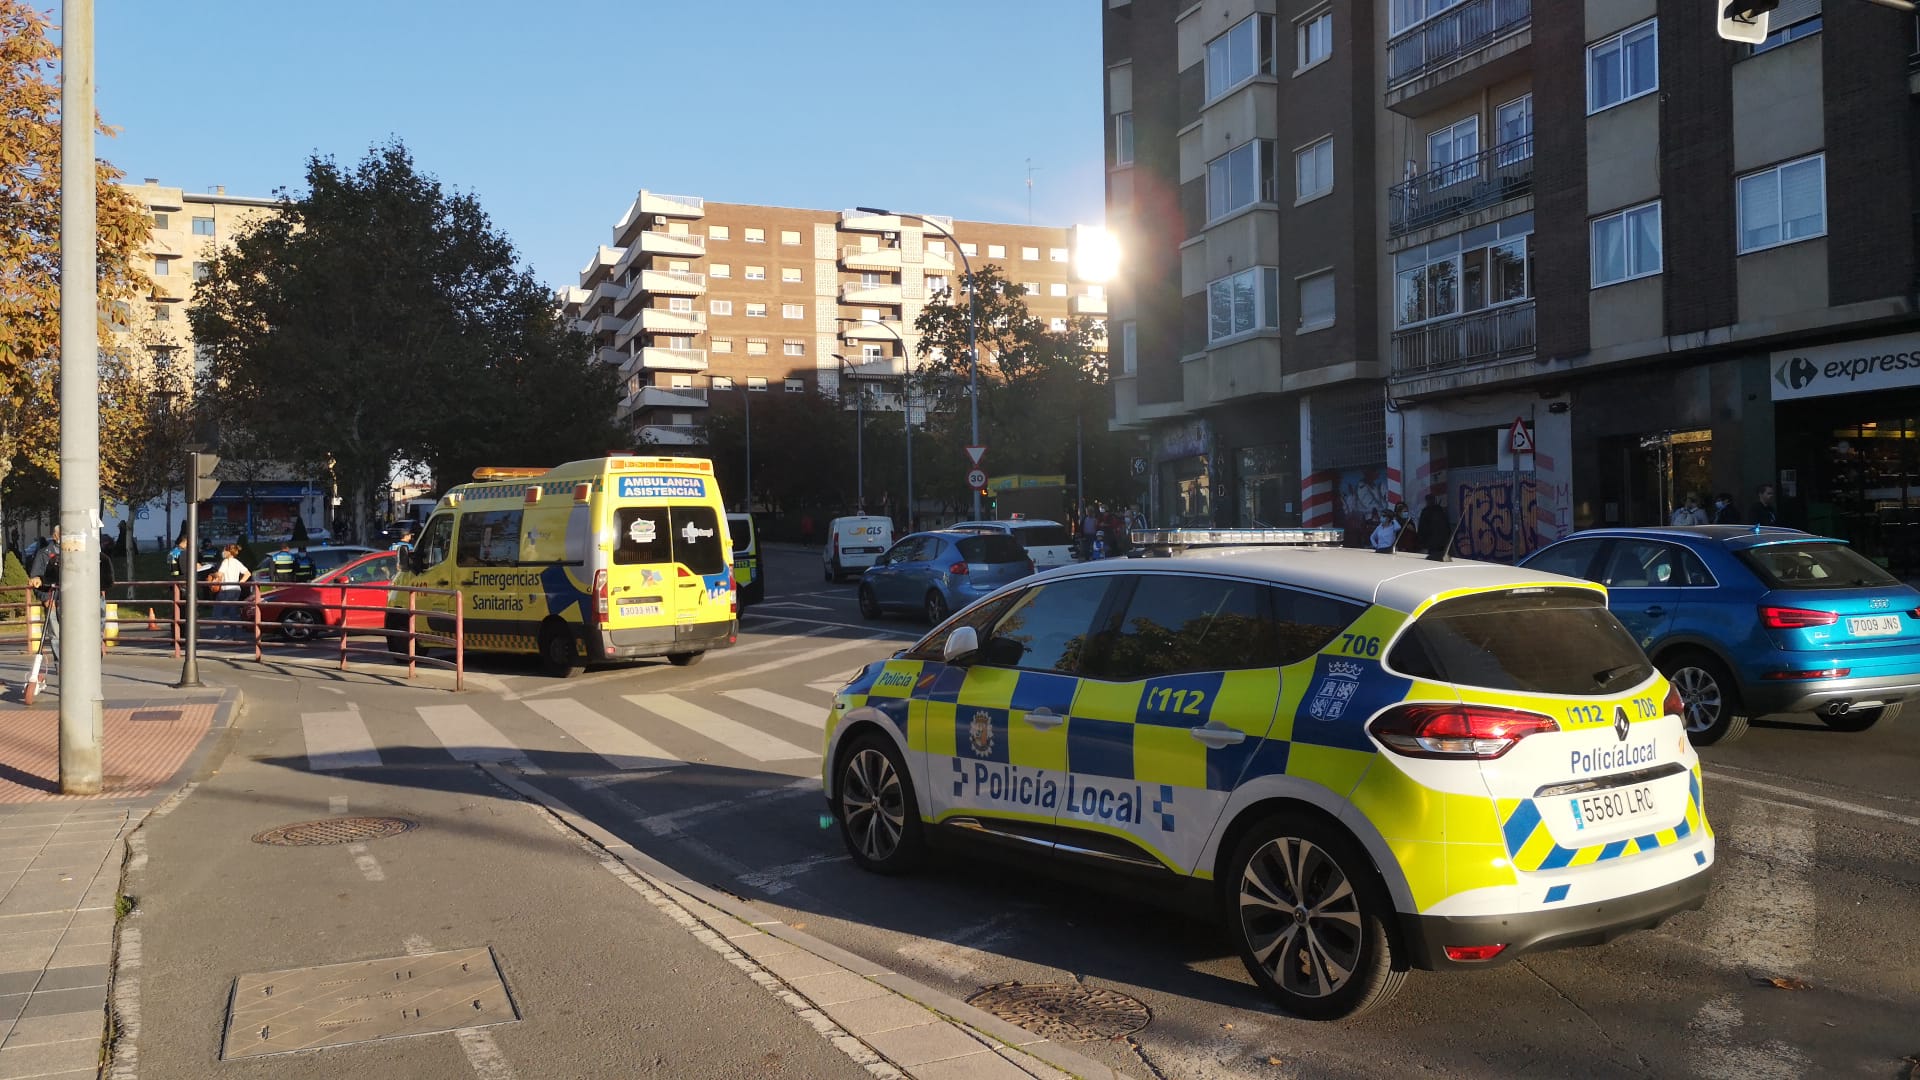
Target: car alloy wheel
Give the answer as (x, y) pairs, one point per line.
(1709, 706)
(1700, 698)
(1302, 917)
(936, 607)
(299, 624)
(869, 606)
(872, 804)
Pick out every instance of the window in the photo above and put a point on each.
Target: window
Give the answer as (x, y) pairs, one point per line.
(870, 353)
(937, 247)
(756, 236)
(1123, 138)
(1405, 13)
(1814, 564)
(1451, 150)
(793, 311)
(1623, 67)
(1645, 564)
(1316, 300)
(796, 386)
(678, 341)
(652, 535)
(1783, 204)
(1513, 129)
(162, 313)
(1791, 21)
(677, 228)
(756, 311)
(996, 251)
(680, 382)
(1058, 288)
(1626, 245)
(162, 267)
(1030, 254)
(719, 232)
(1057, 325)
(159, 221)
(203, 226)
(1239, 177)
(721, 345)
(1248, 300)
(1048, 627)
(1029, 288)
(1316, 39)
(756, 384)
(720, 270)
(790, 237)
(1546, 643)
(936, 284)
(1058, 255)
(1313, 171)
(723, 382)
(1240, 54)
(970, 250)
(1573, 558)
(720, 307)
(202, 271)
(794, 348)
(682, 304)
(790, 274)
(488, 538)
(1129, 349)
(681, 265)
(1481, 268)
(756, 273)
(756, 347)
(1175, 624)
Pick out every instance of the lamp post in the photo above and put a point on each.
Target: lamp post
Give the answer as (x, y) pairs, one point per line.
(973, 325)
(906, 400)
(746, 397)
(859, 439)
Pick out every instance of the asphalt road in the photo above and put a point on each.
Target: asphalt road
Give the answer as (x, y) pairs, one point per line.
(714, 770)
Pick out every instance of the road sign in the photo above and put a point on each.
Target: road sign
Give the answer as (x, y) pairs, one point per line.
(1744, 20)
(1520, 436)
(974, 454)
(976, 478)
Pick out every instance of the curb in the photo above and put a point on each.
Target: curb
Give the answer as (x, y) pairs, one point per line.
(1012, 1041)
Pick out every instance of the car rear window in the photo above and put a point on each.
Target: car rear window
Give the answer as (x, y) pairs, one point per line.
(1043, 536)
(992, 549)
(665, 534)
(1541, 641)
(1816, 565)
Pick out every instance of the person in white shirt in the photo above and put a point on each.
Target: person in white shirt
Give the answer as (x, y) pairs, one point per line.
(1691, 513)
(1386, 533)
(230, 575)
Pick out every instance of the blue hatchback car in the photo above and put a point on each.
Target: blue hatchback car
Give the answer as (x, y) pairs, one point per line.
(1746, 621)
(937, 573)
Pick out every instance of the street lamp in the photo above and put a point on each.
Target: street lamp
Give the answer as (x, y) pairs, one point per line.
(859, 439)
(746, 398)
(973, 324)
(906, 401)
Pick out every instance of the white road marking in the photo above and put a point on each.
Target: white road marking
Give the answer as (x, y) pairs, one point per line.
(868, 627)
(483, 1054)
(735, 735)
(778, 879)
(831, 686)
(792, 604)
(780, 705)
(546, 686)
(961, 952)
(1719, 776)
(622, 748)
(338, 740)
(468, 737)
(669, 823)
(369, 866)
(787, 661)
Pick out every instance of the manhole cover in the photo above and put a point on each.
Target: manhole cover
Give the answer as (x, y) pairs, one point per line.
(277, 1012)
(157, 714)
(1064, 1012)
(343, 830)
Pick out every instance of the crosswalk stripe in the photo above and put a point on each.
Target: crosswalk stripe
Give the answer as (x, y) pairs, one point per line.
(622, 748)
(790, 661)
(780, 705)
(830, 687)
(468, 737)
(338, 740)
(755, 744)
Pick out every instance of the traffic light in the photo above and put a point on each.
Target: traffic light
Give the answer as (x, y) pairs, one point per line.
(200, 481)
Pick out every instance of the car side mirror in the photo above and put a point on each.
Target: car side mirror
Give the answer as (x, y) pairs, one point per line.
(961, 644)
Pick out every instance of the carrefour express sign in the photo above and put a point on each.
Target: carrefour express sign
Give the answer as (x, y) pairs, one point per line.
(1887, 363)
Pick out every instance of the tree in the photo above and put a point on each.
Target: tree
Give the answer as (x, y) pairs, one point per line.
(30, 192)
(378, 320)
(802, 444)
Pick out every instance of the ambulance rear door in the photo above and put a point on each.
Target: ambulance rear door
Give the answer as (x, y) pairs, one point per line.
(669, 559)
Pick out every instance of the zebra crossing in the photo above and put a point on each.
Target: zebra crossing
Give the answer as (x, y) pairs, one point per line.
(745, 727)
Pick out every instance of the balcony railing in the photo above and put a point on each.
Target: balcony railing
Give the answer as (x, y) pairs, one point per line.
(662, 243)
(658, 397)
(1486, 178)
(673, 282)
(856, 257)
(664, 359)
(879, 292)
(1451, 35)
(670, 434)
(1494, 334)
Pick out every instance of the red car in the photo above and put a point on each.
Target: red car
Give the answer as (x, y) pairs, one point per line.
(306, 610)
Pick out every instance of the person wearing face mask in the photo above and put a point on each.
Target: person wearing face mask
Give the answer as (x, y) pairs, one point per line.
(1723, 511)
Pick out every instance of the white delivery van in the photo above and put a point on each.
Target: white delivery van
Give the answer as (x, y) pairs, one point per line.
(855, 543)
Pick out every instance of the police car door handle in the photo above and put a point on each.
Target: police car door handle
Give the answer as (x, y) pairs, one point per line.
(1045, 718)
(1215, 736)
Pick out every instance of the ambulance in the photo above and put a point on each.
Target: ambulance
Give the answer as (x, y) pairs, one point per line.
(613, 558)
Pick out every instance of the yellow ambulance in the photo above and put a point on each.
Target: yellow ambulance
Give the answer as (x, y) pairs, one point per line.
(610, 558)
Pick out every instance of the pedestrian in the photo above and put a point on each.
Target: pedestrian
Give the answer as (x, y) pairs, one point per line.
(1089, 525)
(404, 545)
(230, 575)
(806, 530)
(43, 577)
(1723, 510)
(283, 562)
(302, 564)
(1763, 512)
(1385, 534)
(1099, 549)
(1433, 528)
(1690, 513)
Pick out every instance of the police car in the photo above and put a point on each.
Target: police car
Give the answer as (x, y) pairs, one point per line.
(1376, 762)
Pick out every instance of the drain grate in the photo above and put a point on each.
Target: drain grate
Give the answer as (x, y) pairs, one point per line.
(344, 830)
(1064, 1012)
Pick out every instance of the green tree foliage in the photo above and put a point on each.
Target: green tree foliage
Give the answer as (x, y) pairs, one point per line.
(803, 449)
(378, 320)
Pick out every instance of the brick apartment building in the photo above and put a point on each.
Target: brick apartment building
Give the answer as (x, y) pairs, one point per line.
(700, 302)
(188, 228)
(1675, 263)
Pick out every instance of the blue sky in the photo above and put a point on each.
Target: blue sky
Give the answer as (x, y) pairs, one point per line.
(555, 114)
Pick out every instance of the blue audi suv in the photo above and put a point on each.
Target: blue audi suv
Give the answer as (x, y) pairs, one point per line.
(1748, 620)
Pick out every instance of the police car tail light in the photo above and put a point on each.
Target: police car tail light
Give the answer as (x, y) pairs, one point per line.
(1673, 706)
(1474, 952)
(1793, 618)
(1477, 732)
(600, 594)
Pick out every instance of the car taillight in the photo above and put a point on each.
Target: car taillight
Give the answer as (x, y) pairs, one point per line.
(1793, 618)
(1673, 706)
(600, 594)
(1473, 952)
(957, 568)
(1481, 732)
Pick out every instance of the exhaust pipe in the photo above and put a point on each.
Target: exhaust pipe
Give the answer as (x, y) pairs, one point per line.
(1836, 708)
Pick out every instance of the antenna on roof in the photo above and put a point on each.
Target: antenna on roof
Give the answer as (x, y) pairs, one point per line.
(1031, 169)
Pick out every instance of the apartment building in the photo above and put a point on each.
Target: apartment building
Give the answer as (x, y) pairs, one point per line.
(1610, 258)
(188, 227)
(1242, 188)
(698, 303)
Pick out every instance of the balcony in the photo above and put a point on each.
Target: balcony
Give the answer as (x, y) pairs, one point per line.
(1431, 62)
(574, 298)
(610, 356)
(660, 397)
(662, 321)
(855, 257)
(1495, 334)
(670, 434)
(654, 359)
(679, 245)
(602, 259)
(1089, 305)
(594, 327)
(610, 291)
(1485, 179)
(673, 282)
(883, 330)
(860, 292)
(652, 208)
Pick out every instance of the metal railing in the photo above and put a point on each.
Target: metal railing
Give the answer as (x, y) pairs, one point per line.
(1471, 339)
(1489, 177)
(1452, 34)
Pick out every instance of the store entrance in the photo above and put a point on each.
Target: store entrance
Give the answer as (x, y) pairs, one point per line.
(1651, 475)
(1851, 469)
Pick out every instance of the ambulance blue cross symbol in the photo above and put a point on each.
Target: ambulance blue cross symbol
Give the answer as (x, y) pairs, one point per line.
(1164, 807)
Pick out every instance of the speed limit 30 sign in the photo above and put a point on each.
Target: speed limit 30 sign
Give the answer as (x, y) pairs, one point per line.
(976, 478)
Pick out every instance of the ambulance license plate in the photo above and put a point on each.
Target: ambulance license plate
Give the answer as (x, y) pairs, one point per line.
(1604, 808)
(635, 611)
(1874, 625)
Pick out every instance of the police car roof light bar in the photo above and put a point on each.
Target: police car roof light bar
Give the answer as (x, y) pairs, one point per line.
(1167, 541)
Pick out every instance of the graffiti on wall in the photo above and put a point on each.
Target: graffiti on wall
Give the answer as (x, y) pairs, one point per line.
(1347, 498)
(1499, 518)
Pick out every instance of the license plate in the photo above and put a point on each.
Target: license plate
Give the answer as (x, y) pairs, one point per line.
(1873, 625)
(1603, 808)
(635, 611)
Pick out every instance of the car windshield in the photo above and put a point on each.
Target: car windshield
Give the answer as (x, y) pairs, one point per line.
(1043, 536)
(1815, 565)
(1542, 641)
(992, 549)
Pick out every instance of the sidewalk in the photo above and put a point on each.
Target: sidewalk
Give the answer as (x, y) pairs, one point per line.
(60, 860)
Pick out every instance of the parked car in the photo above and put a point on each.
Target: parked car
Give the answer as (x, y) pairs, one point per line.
(940, 572)
(1048, 543)
(1747, 621)
(853, 543)
(307, 609)
(325, 559)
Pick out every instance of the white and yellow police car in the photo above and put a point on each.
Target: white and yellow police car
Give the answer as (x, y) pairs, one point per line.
(1378, 762)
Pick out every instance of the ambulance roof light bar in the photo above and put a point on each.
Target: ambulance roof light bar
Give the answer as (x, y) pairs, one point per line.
(507, 472)
(1168, 541)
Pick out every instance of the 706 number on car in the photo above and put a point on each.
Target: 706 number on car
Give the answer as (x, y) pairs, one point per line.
(1359, 645)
